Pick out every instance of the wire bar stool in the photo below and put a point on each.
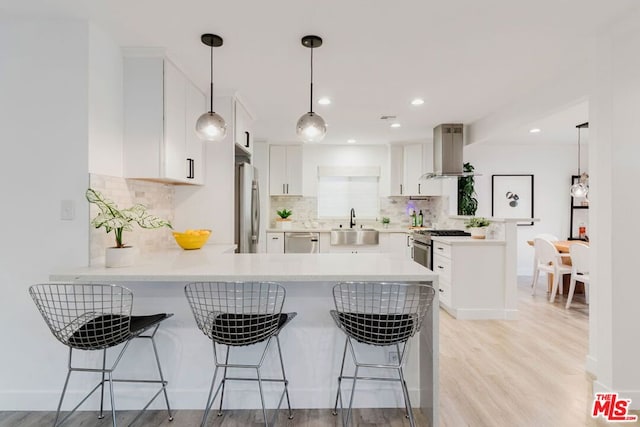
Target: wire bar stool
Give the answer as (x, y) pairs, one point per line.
(235, 314)
(97, 317)
(378, 314)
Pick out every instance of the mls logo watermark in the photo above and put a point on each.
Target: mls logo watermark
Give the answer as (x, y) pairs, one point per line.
(611, 408)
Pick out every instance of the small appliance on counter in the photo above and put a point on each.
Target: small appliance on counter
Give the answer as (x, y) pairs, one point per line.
(423, 247)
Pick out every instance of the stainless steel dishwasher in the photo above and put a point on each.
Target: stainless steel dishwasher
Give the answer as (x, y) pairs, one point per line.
(301, 243)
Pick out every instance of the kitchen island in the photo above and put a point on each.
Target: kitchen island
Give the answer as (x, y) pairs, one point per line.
(312, 343)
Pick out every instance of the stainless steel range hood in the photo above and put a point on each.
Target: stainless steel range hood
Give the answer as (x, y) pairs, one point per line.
(448, 143)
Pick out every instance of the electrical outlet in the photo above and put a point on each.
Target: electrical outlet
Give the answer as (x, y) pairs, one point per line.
(392, 357)
(67, 210)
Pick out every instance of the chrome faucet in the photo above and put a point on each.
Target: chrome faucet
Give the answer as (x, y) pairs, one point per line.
(352, 222)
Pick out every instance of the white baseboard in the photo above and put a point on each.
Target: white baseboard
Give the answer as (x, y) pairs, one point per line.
(386, 396)
(591, 365)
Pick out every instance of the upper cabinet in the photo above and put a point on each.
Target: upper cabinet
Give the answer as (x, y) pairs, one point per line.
(407, 164)
(243, 133)
(285, 170)
(161, 107)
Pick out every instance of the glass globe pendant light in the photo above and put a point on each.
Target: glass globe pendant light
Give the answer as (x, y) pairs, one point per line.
(580, 188)
(311, 127)
(211, 126)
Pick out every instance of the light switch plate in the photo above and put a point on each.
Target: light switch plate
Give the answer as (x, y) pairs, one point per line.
(67, 210)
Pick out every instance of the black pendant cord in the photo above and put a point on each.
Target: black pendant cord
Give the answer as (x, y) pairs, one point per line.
(578, 152)
(311, 95)
(211, 86)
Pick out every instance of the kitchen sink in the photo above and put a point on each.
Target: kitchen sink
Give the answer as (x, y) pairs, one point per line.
(354, 236)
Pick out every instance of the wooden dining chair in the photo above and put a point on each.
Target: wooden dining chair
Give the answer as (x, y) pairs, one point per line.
(579, 270)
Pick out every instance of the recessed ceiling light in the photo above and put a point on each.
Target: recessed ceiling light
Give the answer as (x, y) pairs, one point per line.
(534, 130)
(351, 141)
(395, 125)
(417, 101)
(324, 101)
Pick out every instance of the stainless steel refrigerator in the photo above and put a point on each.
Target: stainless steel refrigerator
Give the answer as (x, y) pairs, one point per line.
(247, 218)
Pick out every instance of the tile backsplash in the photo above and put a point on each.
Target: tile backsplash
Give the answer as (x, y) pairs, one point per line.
(158, 199)
(396, 208)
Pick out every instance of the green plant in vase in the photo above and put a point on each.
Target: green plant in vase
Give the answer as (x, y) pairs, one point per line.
(283, 220)
(112, 218)
(477, 227)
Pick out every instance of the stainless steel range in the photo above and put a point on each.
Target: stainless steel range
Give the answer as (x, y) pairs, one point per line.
(422, 246)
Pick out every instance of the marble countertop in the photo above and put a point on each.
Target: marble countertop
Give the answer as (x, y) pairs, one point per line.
(208, 264)
(466, 240)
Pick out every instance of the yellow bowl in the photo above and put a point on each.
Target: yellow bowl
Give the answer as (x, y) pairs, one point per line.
(192, 239)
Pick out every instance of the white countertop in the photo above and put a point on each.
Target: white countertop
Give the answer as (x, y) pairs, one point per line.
(208, 264)
(328, 230)
(466, 240)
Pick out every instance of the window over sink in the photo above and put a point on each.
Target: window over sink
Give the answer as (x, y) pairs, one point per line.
(338, 194)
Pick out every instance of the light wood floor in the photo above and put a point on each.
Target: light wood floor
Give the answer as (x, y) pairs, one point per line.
(528, 372)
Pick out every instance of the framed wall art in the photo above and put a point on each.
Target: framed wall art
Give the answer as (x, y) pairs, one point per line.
(512, 197)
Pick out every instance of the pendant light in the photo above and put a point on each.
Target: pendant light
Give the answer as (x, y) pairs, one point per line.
(581, 188)
(211, 126)
(311, 127)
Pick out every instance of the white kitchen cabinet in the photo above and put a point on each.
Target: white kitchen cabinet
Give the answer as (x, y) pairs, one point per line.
(285, 170)
(418, 160)
(160, 104)
(243, 131)
(396, 243)
(355, 249)
(396, 170)
(471, 277)
(275, 243)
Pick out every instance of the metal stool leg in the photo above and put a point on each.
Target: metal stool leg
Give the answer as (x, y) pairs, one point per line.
(224, 378)
(284, 377)
(353, 392)
(210, 398)
(344, 356)
(407, 400)
(64, 390)
(104, 367)
(264, 408)
(164, 384)
(113, 403)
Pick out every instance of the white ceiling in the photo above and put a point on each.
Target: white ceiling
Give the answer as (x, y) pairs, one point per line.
(466, 58)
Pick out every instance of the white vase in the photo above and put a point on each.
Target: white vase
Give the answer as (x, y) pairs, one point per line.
(284, 224)
(478, 232)
(119, 257)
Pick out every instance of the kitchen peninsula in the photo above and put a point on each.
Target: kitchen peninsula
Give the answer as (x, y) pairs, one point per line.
(311, 343)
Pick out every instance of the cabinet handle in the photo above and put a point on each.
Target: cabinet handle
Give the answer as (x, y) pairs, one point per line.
(190, 169)
(407, 240)
(247, 135)
(419, 189)
(275, 238)
(400, 189)
(441, 290)
(287, 188)
(441, 267)
(283, 189)
(440, 248)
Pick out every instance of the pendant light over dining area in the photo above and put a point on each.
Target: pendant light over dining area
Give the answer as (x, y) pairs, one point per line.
(580, 188)
(311, 127)
(210, 125)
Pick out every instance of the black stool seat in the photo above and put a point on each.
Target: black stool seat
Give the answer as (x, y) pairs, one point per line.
(109, 330)
(246, 329)
(377, 329)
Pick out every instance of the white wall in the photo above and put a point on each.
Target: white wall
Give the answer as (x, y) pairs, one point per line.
(105, 104)
(43, 160)
(552, 166)
(615, 109)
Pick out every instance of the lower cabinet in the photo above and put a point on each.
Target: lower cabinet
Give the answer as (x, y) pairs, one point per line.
(396, 243)
(275, 243)
(471, 278)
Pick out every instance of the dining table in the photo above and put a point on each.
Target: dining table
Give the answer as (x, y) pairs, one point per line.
(563, 247)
